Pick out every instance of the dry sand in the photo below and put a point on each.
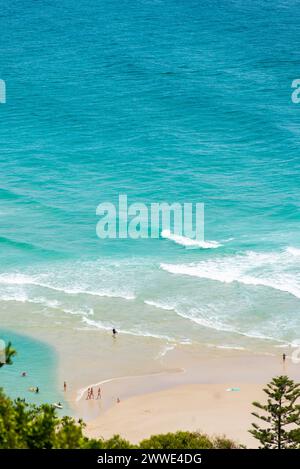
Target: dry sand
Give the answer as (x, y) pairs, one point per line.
(204, 407)
(196, 399)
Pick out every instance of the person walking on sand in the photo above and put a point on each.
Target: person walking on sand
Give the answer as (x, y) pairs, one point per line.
(99, 393)
(88, 396)
(283, 357)
(65, 386)
(92, 393)
(114, 331)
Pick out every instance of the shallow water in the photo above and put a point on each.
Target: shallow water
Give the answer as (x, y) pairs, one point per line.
(39, 361)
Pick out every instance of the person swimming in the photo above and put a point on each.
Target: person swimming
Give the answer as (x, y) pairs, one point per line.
(58, 405)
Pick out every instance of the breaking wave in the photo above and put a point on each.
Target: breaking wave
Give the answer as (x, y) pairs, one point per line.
(188, 242)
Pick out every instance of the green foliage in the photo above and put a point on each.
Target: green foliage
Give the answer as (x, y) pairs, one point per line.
(182, 440)
(281, 416)
(221, 442)
(27, 426)
(10, 352)
(68, 434)
(116, 442)
(187, 440)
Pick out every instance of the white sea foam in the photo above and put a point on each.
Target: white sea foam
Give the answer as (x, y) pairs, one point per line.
(22, 297)
(277, 270)
(137, 333)
(188, 242)
(193, 315)
(80, 312)
(159, 305)
(258, 269)
(293, 251)
(204, 319)
(52, 304)
(18, 297)
(97, 324)
(20, 279)
(16, 279)
(79, 291)
(213, 323)
(293, 344)
(227, 347)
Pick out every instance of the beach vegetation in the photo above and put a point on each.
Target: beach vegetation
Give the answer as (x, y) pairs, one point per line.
(9, 353)
(187, 440)
(28, 426)
(281, 415)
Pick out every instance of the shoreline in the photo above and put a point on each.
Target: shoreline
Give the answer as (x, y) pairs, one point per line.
(205, 408)
(161, 393)
(196, 399)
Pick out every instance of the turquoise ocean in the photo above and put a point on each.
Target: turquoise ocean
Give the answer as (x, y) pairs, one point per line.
(164, 101)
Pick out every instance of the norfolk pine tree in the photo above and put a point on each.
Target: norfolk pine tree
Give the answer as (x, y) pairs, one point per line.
(281, 415)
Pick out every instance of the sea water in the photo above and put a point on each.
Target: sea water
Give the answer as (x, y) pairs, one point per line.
(38, 361)
(163, 101)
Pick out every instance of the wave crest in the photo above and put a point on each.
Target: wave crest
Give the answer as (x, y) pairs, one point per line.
(188, 242)
(279, 271)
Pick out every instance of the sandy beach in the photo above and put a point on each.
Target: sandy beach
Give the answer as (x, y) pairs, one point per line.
(207, 408)
(161, 387)
(197, 398)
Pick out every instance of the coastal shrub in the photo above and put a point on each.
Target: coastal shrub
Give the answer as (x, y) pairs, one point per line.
(69, 434)
(10, 437)
(182, 440)
(221, 442)
(187, 440)
(116, 442)
(27, 426)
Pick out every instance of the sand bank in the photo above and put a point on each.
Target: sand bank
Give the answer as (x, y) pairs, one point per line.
(197, 398)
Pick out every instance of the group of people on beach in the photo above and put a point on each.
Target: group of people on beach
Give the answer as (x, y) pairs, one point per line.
(90, 394)
(90, 391)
